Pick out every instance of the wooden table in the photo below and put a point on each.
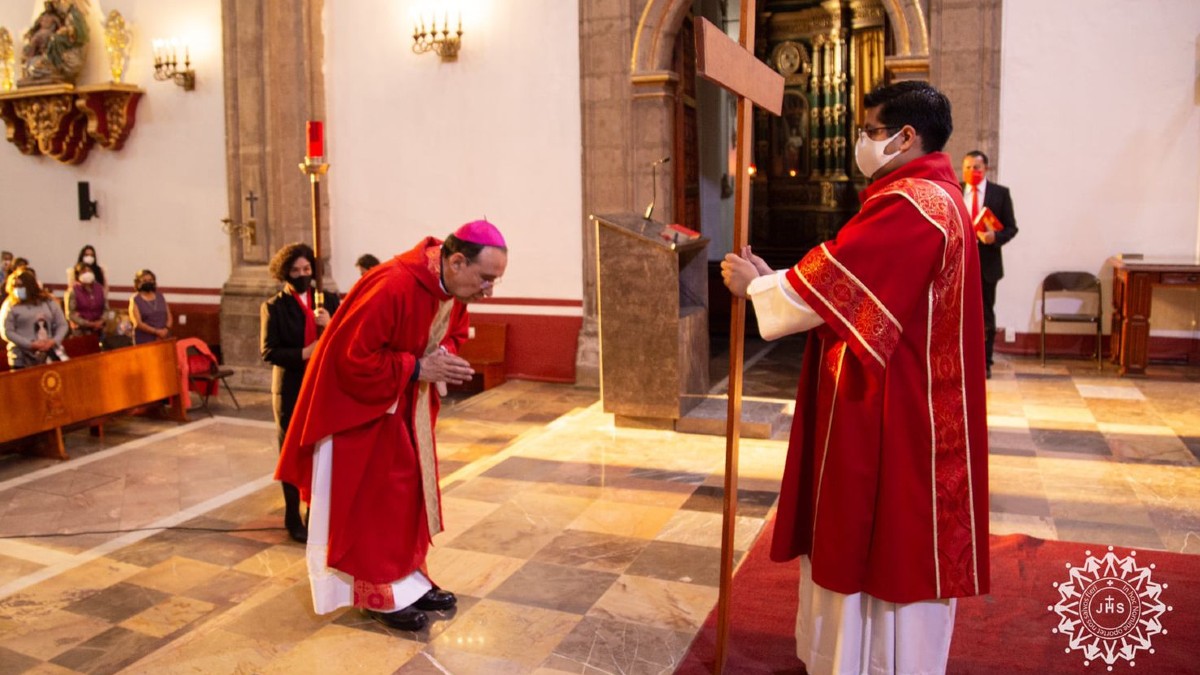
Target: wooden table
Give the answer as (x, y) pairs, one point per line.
(1133, 281)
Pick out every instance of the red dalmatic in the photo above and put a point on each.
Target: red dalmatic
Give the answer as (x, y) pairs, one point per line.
(885, 486)
(362, 366)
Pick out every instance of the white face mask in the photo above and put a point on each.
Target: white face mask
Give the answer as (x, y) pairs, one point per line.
(87, 278)
(20, 291)
(89, 260)
(871, 155)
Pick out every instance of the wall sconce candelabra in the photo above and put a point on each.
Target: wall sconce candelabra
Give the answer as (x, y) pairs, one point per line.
(166, 65)
(441, 41)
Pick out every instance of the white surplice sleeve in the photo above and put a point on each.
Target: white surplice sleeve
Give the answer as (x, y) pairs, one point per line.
(780, 310)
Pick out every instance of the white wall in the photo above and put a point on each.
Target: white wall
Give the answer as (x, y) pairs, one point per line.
(419, 146)
(1100, 143)
(162, 196)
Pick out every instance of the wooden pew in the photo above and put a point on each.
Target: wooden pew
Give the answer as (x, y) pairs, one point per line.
(485, 351)
(36, 403)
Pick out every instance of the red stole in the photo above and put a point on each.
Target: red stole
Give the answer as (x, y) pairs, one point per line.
(310, 323)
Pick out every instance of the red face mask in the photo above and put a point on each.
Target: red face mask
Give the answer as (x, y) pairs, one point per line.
(974, 177)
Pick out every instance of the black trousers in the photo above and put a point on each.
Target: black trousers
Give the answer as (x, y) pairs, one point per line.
(989, 317)
(283, 406)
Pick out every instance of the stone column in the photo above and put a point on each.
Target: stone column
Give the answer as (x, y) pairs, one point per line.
(965, 65)
(273, 54)
(627, 94)
(605, 35)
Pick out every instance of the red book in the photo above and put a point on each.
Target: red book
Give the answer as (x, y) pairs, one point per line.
(985, 220)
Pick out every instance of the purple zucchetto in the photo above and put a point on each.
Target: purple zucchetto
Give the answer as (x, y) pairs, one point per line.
(481, 232)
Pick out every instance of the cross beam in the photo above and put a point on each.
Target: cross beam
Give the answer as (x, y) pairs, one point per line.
(733, 66)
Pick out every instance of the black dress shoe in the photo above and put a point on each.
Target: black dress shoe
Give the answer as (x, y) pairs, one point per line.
(436, 600)
(298, 532)
(410, 618)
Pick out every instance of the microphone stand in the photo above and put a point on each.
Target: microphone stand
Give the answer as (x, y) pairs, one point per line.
(654, 185)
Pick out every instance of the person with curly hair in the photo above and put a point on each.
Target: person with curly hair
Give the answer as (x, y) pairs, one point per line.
(290, 324)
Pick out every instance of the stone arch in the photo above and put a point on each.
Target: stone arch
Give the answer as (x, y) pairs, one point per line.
(654, 38)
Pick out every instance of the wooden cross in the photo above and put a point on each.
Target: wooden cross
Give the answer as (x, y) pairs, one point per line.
(732, 65)
(251, 198)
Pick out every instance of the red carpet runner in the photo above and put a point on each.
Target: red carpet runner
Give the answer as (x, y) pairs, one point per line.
(1012, 630)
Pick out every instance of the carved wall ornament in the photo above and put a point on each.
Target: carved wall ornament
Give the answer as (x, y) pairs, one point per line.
(65, 122)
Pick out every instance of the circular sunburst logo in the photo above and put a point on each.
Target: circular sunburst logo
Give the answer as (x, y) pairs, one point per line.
(51, 382)
(1109, 608)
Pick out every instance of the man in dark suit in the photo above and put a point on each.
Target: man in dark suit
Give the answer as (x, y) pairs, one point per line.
(979, 193)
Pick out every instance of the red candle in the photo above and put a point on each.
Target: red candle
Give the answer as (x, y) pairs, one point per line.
(316, 138)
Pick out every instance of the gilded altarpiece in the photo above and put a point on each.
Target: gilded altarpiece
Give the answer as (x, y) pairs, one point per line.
(806, 183)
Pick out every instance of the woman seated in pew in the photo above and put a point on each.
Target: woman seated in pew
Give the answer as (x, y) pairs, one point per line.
(148, 310)
(31, 321)
(86, 302)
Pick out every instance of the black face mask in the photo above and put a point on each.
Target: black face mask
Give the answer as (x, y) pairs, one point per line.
(301, 283)
(147, 287)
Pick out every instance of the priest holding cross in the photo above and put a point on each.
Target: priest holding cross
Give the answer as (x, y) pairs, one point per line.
(884, 493)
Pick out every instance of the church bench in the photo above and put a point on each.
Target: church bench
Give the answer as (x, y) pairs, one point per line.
(37, 403)
(485, 351)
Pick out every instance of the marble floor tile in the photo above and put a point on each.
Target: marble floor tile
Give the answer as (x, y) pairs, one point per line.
(598, 645)
(470, 572)
(704, 529)
(16, 662)
(229, 587)
(47, 635)
(334, 649)
(168, 616)
(592, 551)
(211, 651)
(15, 568)
(176, 575)
(117, 603)
(684, 563)
(711, 499)
(639, 521)
(439, 660)
(283, 618)
(519, 634)
(107, 652)
(654, 602)
(1108, 390)
(1041, 527)
(556, 587)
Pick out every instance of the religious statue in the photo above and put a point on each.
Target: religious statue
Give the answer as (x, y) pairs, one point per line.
(54, 46)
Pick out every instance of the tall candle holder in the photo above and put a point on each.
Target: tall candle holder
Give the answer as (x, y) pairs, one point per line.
(314, 166)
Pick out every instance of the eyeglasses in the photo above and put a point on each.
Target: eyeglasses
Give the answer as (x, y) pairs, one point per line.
(870, 132)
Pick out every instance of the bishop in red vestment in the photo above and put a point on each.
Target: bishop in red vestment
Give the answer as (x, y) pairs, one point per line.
(360, 445)
(884, 492)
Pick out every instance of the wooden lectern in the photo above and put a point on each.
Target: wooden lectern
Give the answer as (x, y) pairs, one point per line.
(652, 294)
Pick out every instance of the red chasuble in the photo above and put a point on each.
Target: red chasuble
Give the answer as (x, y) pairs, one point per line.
(885, 485)
(362, 365)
